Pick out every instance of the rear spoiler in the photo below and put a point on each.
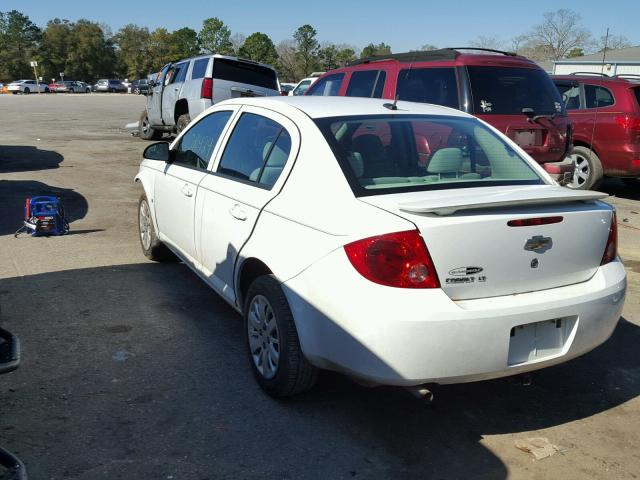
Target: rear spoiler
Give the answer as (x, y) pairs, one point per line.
(448, 205)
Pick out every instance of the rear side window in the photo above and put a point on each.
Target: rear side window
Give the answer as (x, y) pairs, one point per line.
(197, 144)
(199, 68)
(507, 90)
(241, 72)
(257, 150)
(570, 93)
(596, 97)
(636, 91)
(367, 83)
(328, 86)
(428, 85)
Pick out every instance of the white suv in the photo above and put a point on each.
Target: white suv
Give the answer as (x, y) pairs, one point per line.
(183, 90)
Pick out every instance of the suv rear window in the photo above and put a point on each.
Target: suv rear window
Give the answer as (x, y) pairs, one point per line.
(241, 72)
(429, 85)
(199, 68)
(507, 90)
(366, 83)
(595, 97)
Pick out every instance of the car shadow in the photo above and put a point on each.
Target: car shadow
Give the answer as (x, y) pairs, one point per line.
(26, 158)
(617, 188)
(13, 194)
(140, 371)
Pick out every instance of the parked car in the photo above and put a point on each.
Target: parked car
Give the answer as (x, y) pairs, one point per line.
(140, 86)
(188, 87)
(27, 87)
(510, 92)
(285, 88)
(459, 263)
(110, 85)
(71, 86)
(605, 113)
(303, 85)
(53, 86)
(85, 86)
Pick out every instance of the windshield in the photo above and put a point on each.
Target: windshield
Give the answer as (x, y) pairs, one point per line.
(507, 90)
(388, 154)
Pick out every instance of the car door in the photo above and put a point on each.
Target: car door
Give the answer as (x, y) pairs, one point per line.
(175, 188)
(154, 102)
(171, 92)
(251, 169)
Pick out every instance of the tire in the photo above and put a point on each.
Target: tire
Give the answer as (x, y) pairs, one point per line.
(152, 248)
(183, 121)
(26, 91)
(136, 91)
(46, 90)
(145, 131)
(269, 328)
(113, 90)
(588, 172)
(71, 91)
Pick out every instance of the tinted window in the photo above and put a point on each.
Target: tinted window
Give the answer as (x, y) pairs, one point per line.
(367, 83)
(507, 90)
(199, 68)
(384, 154)
(197, 144)
(256, 150)
(328, 86)
(241, 72)
(181, 72)
(597, 97)
(637, 93)
(429, 85)
(570, 94)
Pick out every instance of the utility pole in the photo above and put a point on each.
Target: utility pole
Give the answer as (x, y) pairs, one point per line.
(34, 64)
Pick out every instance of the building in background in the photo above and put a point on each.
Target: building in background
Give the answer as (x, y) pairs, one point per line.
(625, 61)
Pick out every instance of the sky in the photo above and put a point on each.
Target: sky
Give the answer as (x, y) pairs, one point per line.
(404, 25)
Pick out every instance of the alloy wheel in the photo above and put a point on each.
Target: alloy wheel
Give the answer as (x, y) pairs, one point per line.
(264, 338)
(145, 225)
(582, 172)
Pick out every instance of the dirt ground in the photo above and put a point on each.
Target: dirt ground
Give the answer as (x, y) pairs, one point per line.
(136, 370)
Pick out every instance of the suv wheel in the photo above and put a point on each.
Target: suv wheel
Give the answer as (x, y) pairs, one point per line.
(145, 131)
(274, 350)
(588, 169)
(183, 121)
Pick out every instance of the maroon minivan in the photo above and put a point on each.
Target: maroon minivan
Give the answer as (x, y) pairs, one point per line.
(508, 91)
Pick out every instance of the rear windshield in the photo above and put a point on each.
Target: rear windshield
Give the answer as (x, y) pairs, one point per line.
(507, 90)
(388, 154)
(241, 72)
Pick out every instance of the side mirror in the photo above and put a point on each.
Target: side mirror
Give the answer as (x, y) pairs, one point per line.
(158, 151)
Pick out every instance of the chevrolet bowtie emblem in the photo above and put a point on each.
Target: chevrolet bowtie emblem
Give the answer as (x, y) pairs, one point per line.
(538, 244)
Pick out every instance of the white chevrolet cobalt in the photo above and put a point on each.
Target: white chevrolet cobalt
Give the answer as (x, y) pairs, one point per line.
(399, 244)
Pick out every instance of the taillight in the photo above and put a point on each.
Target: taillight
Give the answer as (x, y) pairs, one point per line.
(527, 222)
(206, 91)
(398, 259)
(629, 123)
(611, 250)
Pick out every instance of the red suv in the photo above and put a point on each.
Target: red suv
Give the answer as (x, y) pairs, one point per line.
(605, 112)
(508, 91)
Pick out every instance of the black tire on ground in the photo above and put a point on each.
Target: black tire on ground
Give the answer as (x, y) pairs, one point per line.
(71, 90)
(294, 373)
(113, 90)
(136, 91)
(183, 121)
(46, 89)
(154, 249)
(145, 131)
(588, 173)
(27, 91)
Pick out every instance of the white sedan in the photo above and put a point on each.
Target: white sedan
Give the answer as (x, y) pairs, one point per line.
(27, 86)
(400, 244)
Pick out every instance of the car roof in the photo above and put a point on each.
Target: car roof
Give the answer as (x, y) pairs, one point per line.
(626, 80)
(323, 107)
(226, 57)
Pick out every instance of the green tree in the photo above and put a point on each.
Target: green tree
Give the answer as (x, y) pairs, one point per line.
(54, 48)
(307, 48)
(159, 49)
(19, 39)
(260, 48)
(288, 69)
(91, 55)
(215, 37)
(379, 49)
(183, 44)
(575, 52)
(345, 55)
(328, 57)
(134, 49)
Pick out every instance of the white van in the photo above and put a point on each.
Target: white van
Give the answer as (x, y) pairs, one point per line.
(182, 90)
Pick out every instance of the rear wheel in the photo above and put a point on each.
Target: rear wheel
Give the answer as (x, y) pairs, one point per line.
(183, 121)
(71, 90)
(27, 91)
(145, 131)
(152, 248)
(588, 169)
(113, 90)
(273, 346)
(46, 90)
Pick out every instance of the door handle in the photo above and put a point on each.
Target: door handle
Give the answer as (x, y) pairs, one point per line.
(237, 212)
(186, 190)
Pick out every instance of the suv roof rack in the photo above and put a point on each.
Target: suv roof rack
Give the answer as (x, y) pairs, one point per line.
(629, 76)
(492, 50)
(595, 74)
(426, 55)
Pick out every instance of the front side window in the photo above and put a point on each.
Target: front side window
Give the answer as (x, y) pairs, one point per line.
(596, 96)
(180, 73)
(507, 90)
(389, 154)
(570, 93)
(197, 144)
(302, 87)
(429, 85)
(257, 150)
(328, 86)
(366, 83)
(199, 68)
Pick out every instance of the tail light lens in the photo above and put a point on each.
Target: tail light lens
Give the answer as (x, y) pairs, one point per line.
(629, 123)
(398, 259)
(611, 250)
(206, 91)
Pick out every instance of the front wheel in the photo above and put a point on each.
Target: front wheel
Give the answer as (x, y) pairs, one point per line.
(152, 248)
(588, 169)
(145, 131)
(275, 356)
(46, 90)
(27, 91)
(136, 91)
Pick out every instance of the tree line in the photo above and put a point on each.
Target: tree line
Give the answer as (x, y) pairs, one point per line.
(88, 50)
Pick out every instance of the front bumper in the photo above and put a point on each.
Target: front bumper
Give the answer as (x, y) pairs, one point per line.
(410, 337)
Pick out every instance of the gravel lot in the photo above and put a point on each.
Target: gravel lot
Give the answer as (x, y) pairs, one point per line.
(135, 370)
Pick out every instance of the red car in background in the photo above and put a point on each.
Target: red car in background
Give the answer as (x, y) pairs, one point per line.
(53, 87)
(508, 91)
(605, 112)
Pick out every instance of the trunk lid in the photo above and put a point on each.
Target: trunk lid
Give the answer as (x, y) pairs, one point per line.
(477, 254)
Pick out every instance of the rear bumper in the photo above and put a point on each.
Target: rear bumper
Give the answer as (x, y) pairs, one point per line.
(410, 337)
